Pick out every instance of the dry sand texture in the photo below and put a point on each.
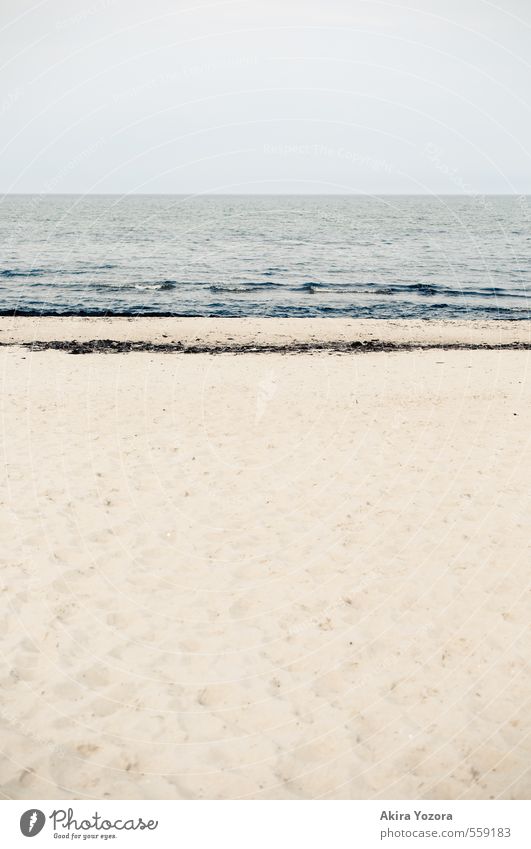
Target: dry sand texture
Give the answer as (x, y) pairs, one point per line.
(264, 576)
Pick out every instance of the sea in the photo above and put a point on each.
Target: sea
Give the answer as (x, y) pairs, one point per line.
(389, 257)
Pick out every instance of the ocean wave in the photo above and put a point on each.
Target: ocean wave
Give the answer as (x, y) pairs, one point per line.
(159, 286)
(26, 272)
(426, 290)
(274, 269)
(405, 310)
(244, 289)
(54, 272)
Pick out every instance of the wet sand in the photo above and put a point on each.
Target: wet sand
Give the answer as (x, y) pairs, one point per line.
(231, 334)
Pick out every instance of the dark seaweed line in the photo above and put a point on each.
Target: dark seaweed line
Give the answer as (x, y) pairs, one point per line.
(110, 346)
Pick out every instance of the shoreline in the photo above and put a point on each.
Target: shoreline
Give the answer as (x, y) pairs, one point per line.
(82, 335)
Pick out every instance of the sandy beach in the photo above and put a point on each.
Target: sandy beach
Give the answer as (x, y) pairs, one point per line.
(265, 575)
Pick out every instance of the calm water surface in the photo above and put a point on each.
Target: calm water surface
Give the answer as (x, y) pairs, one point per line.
(381, 257)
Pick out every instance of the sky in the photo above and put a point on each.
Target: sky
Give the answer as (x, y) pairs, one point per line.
(265, 96)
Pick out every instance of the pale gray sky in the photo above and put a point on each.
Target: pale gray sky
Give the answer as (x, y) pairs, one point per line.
(265, 96)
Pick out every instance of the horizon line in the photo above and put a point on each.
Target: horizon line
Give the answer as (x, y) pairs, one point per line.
(471, 195)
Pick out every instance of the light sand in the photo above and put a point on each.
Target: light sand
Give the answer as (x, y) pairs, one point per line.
(265, 576)
(224, 331)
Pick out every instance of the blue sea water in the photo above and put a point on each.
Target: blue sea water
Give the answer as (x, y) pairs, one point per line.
(371, 257)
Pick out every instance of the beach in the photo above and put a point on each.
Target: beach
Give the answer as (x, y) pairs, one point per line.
(265, 558)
